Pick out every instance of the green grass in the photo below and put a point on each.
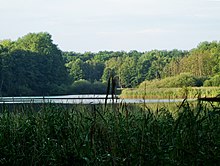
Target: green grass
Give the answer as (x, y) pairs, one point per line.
(114, 135)
(170, 93)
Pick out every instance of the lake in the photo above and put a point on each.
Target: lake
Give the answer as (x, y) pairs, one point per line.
(80, 99)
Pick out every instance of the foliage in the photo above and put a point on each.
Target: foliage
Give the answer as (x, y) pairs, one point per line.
(99, 87)
(86, 87)
(201, 61)
(170, 93)
(213, 81)
(81, 87)
(182, 80)
(116, 135)
(34, 65)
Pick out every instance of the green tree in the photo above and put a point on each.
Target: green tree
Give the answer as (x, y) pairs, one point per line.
(128, 73)
(32, 65)
(76, 69)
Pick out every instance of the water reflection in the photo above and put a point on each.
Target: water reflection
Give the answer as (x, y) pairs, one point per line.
(81, 99)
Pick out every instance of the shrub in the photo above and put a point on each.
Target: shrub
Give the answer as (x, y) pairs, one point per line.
(182, 80)
(81, 87)
(86, 87)
(213, 81)
(99, 87)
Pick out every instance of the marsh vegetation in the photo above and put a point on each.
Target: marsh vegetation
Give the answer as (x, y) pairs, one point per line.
(120, 134)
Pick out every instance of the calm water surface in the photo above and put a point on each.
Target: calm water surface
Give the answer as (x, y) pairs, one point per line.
(78, 99)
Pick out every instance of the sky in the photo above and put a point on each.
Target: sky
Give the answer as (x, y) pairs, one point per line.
(113, 25)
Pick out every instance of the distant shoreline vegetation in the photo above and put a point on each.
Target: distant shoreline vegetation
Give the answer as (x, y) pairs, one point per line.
(34, 65)
(170, 93)
(184, 85)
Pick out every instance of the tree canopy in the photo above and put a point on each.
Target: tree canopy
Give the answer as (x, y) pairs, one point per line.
(34, 65)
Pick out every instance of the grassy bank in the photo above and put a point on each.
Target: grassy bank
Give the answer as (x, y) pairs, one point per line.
(171, 93)
(116, 135)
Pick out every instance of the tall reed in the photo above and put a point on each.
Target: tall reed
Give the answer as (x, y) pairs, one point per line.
(119, 134)
(170, 93)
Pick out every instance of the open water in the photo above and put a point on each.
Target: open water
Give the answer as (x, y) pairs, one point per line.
(80, 99)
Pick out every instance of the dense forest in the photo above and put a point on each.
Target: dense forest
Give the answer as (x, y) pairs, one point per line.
(34, 65)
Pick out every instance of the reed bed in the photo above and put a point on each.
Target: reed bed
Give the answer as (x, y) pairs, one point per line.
(170, 93)
(118, 134)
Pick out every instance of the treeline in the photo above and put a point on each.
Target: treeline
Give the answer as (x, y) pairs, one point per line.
(128, 68)
(34, 65)
(176, 68)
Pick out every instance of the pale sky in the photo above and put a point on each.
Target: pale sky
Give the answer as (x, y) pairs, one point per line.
(98, 25)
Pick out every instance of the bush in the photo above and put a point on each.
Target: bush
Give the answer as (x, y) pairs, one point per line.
(182, 80)
(86, 87)
(99, 87)
(213, 81)
(81, 87)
